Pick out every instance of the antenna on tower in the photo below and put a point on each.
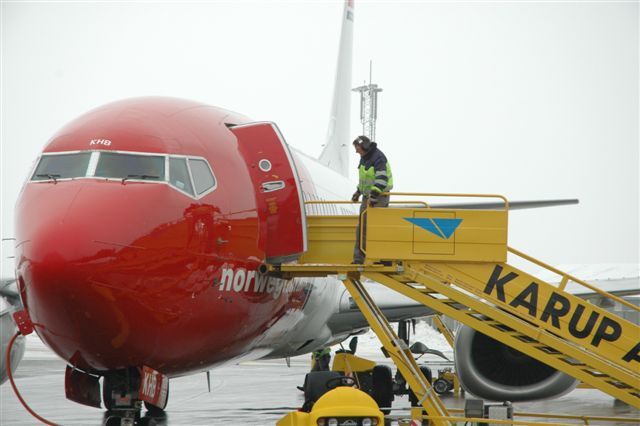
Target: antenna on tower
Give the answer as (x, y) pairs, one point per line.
(369, 105)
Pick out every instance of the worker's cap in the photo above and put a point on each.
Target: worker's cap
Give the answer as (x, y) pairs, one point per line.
(363, 141)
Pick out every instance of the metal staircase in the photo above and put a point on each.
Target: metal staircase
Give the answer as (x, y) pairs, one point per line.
(602, 366)
(397, 349)
(455, 262)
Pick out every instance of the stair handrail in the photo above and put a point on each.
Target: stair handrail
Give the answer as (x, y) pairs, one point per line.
(418, 194)
(568, 277)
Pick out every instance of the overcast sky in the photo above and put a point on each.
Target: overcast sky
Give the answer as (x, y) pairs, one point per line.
(532, 100)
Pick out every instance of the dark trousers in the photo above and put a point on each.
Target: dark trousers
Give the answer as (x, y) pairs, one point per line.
(321, 363)
(383, 201)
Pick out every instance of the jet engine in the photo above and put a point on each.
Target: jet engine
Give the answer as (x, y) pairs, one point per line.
(491, 370)
(9, 303)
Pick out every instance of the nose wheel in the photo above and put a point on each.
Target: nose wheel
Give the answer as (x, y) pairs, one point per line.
(120, 398)
(127, 417)
(123, 417)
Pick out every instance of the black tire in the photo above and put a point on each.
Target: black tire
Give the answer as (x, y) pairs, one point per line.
(382, 391)
(426, 372)
(147, 421)
(154, 411)
(365, 381)
(315, 385)
(441, 386)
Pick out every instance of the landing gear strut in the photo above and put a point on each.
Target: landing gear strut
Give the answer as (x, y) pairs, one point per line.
(121, 399)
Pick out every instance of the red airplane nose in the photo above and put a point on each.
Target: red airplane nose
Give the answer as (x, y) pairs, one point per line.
(97, 263)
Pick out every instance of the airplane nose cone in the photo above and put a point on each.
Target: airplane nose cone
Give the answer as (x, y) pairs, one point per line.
(83, 267)
(85, 225)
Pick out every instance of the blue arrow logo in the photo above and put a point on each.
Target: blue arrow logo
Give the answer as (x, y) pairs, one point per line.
(443, 228)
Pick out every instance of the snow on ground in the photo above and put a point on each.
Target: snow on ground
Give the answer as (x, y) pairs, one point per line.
(35, 349)
(369, 345)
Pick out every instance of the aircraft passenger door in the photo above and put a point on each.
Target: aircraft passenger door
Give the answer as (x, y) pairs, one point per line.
(278, 191)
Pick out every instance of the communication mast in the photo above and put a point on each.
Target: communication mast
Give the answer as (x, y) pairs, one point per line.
(369, 106)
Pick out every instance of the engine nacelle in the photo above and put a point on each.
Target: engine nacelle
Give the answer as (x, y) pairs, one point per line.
(492, 370)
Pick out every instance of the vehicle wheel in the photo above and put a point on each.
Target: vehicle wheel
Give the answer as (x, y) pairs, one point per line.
(441, 386)
(426, 372)
(382, 387)
(315, 385)
(154, 411)
(147, 421)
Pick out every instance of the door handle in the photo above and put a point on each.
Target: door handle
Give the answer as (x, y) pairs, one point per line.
(275, 185)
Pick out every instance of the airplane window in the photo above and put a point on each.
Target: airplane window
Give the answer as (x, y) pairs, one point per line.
(131, 166)
(62, 166)
(202, 177)
(179, 175)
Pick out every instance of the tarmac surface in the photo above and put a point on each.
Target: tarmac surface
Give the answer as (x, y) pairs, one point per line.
(253, 393)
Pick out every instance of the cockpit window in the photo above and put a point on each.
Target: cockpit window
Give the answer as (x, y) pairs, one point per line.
(190, 175)
(202, 177)
(179, 175)
(62, 166)
(130, 166)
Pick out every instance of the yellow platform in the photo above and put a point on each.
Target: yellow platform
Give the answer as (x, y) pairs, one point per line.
(455, 261)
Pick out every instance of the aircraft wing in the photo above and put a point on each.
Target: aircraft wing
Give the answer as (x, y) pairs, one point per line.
(395, 307)
(513, 205)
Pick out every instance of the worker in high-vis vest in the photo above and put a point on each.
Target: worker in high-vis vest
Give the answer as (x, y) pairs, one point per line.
(321, 359)
(374, 179)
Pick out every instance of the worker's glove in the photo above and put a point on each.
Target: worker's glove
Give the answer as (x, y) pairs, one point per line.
(355, 197)
(373, 200)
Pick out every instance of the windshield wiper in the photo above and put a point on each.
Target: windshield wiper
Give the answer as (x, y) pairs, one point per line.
(50, 176)
(139, 177)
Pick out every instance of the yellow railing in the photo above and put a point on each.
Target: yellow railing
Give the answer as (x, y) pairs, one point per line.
(452, 195)
(567, 277)
(492, 222)
(424, 204)
(418, 194)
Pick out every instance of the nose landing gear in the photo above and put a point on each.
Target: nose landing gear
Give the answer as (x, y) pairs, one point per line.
(121, 397)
